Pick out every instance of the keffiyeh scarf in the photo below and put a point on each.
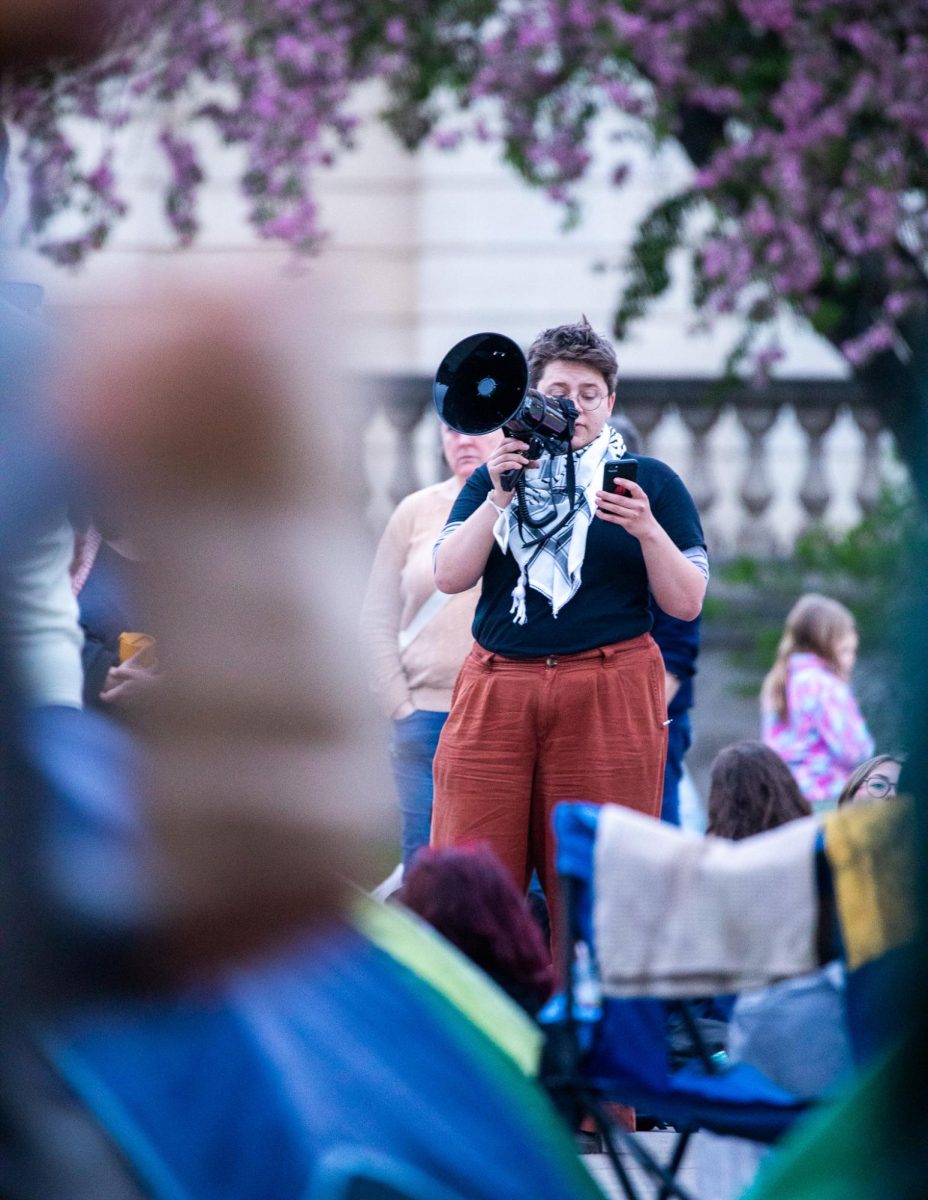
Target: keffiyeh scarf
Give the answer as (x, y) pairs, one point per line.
(550, 559)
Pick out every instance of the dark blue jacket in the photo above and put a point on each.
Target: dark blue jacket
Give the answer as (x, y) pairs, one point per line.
(678, 642)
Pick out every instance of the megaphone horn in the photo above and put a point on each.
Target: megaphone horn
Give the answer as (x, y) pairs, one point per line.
(482, 385)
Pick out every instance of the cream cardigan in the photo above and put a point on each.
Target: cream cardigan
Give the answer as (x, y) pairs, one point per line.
(401, 580)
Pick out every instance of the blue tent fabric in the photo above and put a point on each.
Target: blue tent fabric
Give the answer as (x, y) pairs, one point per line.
(235, 1094)
(234, 1091)
(92, 841)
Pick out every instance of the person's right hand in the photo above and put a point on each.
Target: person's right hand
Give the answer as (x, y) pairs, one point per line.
(130, 681)
(510, 455)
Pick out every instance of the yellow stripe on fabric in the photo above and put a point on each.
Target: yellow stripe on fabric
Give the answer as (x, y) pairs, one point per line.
(870, 849)
(418, 947)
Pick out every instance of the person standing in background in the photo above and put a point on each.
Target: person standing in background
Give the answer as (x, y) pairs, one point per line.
(562, 696)
(120, 664)
(416, 637)
(809, 714)
(678, 642)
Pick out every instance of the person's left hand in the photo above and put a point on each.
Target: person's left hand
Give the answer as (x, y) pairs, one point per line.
(130, 681)
(632, 510)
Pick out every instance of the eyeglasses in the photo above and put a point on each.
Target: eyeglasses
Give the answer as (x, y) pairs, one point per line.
(879, 786)
(589, 399)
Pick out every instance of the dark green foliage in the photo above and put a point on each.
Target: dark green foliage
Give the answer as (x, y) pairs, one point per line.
(870, 568)
(649, 258)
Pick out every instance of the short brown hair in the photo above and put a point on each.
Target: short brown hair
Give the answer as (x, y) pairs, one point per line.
(572, 343)
(751, 791)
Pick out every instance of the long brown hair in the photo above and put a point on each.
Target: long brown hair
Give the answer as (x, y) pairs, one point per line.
(815, 624)
(752, 790)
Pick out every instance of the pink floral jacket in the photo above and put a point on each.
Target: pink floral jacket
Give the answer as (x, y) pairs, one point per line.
(824, 736)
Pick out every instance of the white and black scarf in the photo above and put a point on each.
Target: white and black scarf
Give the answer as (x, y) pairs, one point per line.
(551, 562)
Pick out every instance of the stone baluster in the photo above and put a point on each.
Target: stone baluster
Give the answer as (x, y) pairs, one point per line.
(404, 403)
(645, 415)
(814, 493)
(699, 419)
(755, 536)
(868, 421)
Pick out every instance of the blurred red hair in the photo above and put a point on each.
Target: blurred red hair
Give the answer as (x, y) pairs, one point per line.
(468, 896)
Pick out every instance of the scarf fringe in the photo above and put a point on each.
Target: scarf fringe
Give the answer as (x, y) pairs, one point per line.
(518, 602)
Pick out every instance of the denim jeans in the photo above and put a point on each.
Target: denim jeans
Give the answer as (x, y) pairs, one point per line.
(412, 748)
(679, 737)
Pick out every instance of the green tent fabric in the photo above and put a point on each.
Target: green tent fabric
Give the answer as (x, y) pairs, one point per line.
(412, 942)
(846, 1152)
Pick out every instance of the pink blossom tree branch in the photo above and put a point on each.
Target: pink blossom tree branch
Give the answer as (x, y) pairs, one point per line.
(806, 122)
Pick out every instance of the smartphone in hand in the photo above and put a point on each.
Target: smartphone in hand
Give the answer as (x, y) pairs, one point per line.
(617, 469)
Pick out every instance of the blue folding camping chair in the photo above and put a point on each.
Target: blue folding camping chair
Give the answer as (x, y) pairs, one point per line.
(614, 1046)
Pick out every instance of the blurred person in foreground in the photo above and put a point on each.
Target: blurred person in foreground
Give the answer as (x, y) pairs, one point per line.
(40, 630)
(678, 642)
(809, 713)
(241, 982)
(562, 696)
(416, 637)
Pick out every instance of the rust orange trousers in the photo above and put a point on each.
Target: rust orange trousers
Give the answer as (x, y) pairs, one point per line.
(524, 734)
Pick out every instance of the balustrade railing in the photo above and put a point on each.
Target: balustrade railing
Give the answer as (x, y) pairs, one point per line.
(763, 465)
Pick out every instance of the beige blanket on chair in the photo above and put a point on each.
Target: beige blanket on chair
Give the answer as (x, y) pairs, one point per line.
(676, 914)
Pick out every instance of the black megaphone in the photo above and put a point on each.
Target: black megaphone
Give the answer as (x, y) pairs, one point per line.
(482, 385)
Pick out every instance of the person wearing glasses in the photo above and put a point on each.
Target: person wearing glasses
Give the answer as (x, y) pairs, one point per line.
(875, 779)
(562, 696)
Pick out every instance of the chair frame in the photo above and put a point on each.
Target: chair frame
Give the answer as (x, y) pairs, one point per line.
(562, 1074)
(573, 1096)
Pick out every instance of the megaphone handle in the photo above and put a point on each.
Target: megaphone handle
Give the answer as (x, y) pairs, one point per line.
(509, 479)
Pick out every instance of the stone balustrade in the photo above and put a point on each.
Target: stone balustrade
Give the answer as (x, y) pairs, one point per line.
(762, 464)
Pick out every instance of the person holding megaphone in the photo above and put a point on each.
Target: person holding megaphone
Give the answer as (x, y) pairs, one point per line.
(562, 695)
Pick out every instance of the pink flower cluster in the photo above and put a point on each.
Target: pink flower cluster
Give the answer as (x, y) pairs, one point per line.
(811, 120)
(273, 77)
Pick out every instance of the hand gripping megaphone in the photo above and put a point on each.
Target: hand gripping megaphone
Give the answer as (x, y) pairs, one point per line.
(482, 385)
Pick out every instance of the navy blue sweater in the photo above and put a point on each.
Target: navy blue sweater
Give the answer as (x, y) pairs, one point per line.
(612, 602)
